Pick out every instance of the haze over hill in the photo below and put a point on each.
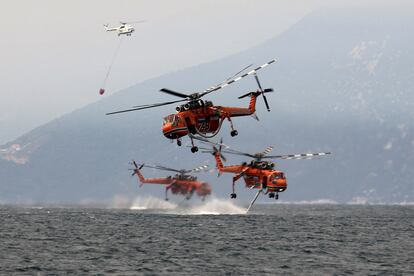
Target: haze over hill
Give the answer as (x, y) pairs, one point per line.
(343, 82)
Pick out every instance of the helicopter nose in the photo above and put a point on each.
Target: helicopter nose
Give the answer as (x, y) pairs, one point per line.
(166, 129)
(281, 183)
(173, 132)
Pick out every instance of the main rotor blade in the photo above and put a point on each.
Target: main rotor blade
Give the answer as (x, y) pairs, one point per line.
(230, 77)
(206, 141)
(298, 156)
(171, 92)
(212, 89)
(159, 167)
(267, 150)
(199, 169)
(231, 151)
(248, 66)
(140, 107)
(134, 22)
(143, 106)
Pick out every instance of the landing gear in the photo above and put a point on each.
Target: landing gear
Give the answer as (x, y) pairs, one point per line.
(271, 195)
(277, 196)
(233, 131)
(179, 142)
(193, 148)
(233, 195)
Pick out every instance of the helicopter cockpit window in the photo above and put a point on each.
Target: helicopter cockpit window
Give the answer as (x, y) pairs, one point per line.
(169, 119)
(175, 120)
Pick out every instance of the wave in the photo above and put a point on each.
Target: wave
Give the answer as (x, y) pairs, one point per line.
(305, 202)
(216, 206)
(360, 200)
(213, 206)
(220, 206)
(151, 203)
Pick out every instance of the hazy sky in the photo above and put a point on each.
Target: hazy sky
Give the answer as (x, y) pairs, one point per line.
(54, 54)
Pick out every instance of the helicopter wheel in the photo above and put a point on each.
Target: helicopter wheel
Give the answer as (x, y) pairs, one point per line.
(179, 143)
(194, 149)
(277, 196)
(271, 195)
(233, 195)
(233, 133)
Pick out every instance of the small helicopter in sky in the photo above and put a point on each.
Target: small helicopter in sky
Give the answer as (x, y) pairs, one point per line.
(201, 117)
(182, 183)
(124, 29)
(259, 173)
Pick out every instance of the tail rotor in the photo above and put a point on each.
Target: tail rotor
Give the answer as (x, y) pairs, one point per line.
(220, 147)
(137, 168)
(263, 91)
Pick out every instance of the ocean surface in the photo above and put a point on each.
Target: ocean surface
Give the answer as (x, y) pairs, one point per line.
(214, 238)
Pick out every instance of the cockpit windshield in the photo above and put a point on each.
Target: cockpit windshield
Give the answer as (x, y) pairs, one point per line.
(171, 119)
(278, 175)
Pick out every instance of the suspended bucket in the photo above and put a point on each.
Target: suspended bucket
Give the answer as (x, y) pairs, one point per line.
(102, 90)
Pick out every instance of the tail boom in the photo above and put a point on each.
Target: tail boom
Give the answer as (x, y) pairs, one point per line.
(242, 111)
(143, 180)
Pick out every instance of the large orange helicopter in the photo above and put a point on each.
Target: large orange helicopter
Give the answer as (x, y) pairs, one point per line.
(201, 117)
(181, 183)
(259, 174)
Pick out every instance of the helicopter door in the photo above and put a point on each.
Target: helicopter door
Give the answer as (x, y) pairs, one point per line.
(190, 126)
(264, 182)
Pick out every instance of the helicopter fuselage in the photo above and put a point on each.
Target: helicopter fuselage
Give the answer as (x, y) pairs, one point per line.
(258, 174)
(179, 184)
(127, 30)
(256, 177)
(202, 117)
(187, 187)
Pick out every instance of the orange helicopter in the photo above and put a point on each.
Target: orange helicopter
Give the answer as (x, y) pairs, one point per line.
(201, 117)
(258, 174)
(181, 183)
